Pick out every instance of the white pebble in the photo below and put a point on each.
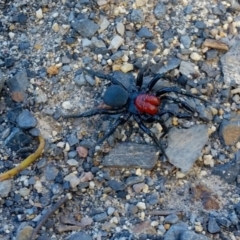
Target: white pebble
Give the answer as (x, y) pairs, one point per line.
(91, 184)
(39, 13)
(67, 105)
(55, 27)
(60, 144)
(127, 67)
(195, 56)
(11, 35)
(208, 160)
(141, 205)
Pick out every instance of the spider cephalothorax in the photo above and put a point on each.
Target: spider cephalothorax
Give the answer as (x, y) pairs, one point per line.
(139, 103)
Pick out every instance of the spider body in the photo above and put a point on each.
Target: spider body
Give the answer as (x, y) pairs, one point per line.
(138, 103)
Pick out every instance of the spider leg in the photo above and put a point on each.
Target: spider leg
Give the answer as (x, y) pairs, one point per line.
(176, 100)
(104, 76)
(150, 133)
(94, 112)
(121, 120)
(139, 80)
(178, 115)
(152, 83)
(179, 91)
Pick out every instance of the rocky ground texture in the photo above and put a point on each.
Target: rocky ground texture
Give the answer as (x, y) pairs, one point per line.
(126, 190)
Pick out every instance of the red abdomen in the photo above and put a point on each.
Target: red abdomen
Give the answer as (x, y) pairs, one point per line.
(146, 103)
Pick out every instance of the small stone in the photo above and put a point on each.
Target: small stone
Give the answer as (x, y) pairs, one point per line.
(103, 25)
(100, 217)
(115, 185)
(26, 120)
(172, 219)
(38, 186)
(25, 233)
(82, 151)
(140, 3)
(53, 70)
(138, 187)
(141, 205)
(80, 235)
(67, 105)
(127, 67)
(213, 226)
(55, 27)
(116, 42)
(120, 28)
(72, 179)
(39, 13)
(136, 16)
(72, 162)
(208, 160)
(145, 33)
(24, 192)
(160, 11)
(187, 68)
(5, 188)
(195, 56)
(86, 177)
(85, 27)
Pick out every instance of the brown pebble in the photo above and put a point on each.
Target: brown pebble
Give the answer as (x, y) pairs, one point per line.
(82, 151)
(52, 70)
(17, 96)
(211, 43)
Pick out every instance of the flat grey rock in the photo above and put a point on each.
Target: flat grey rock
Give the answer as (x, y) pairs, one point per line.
(131, 155)
(185, 145)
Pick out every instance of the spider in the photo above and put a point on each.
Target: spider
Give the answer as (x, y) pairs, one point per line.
(138, 103)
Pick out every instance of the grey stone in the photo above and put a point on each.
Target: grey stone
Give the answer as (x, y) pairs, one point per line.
(100, 217)
(151, 46)
(26, 120)
(131, 155)
(133, 180)
(204, 113)
(171, 64)
(66, 68)
(115, 185)
(185, 145)
(98, 43)
(191, 235)
(145, 33)
(50, 172)
(117, 55)
(200, 24)
(233, 218)
(160, 11)
(85, 27)
(213, 226)
(223, 221)
(80, 235)
(228, 171)
(228, 63)
(171, 218)
(175, 231)
(211, 54)
(80, 79)
(5, 188)
(152, 199)
(136, 16)
(187, 68)
(185, 41)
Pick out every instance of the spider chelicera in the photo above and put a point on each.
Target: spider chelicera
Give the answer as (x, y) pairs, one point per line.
(139, 103)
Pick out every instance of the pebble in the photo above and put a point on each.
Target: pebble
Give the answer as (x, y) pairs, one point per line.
(124, 155)
(127, 67)
(80, 235)
(72, 179)
(195, 56)
(116, 42)
(39, 13)
(120, 28)
(137, 16)
(5, 188)
(72, 162)
(185, 146)
(160, 10)
(85, 27)
(24, 233)
(67, 105)
(213, 226)
(26, 120)
(141, 205)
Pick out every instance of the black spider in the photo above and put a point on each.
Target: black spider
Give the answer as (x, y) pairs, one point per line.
(138, 103)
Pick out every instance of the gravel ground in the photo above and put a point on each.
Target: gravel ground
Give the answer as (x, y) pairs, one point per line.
(127, 189)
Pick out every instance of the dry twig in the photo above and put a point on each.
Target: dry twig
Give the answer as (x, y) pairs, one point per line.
(45, 216)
